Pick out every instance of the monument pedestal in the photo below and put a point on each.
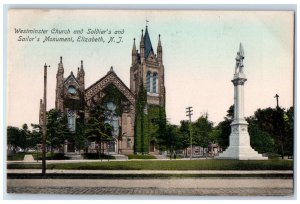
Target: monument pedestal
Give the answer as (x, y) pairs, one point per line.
(239, 147)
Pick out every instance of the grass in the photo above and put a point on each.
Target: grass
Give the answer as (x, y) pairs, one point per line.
(209, 164)
(136, 156)
(20, 156)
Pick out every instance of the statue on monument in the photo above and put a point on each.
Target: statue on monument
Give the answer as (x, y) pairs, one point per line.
(239, 60)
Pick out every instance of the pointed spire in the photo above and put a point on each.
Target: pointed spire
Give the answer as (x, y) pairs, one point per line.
(133, 47)
(80, 74)
(60, 69)
(159, 43)
(159, 50)
(142, 39)
(134, 52)
(81, 66)
(147, 43)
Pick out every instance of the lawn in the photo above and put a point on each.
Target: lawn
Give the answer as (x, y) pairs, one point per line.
(209, 164)
(20, 156)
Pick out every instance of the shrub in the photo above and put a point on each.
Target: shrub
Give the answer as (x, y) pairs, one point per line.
(138, 156)
(97, 156)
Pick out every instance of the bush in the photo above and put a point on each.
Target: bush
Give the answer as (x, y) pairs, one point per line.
(138, 156)
(97, 156)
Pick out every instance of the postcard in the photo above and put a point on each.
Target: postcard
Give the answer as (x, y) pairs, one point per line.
(150, 102)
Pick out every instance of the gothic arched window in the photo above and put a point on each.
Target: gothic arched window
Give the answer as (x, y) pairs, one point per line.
(154, 83)
(71, 120)
(72, 90)
(148, 81)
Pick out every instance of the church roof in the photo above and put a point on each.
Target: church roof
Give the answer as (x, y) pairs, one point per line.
(110, 78)
(147, 42)
(71, 77)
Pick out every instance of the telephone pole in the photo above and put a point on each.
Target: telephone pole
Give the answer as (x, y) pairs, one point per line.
(44, 122)
(189, 113)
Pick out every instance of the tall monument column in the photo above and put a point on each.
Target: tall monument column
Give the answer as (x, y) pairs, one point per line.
(239, 140)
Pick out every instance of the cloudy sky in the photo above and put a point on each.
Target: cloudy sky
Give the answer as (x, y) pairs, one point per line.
(199, 49)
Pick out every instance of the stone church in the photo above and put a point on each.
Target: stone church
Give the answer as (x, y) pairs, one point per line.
(146, 72)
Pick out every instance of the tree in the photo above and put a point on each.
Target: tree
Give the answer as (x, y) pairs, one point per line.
(79, 137)
(57, 129)
(279, 124)
(96, 130)
(183, 135)
(13, 138)
(289, 120)
(24, 133)
(202, 129)
(224, 128)
(260, 140)
(141, 140)
(35, 137)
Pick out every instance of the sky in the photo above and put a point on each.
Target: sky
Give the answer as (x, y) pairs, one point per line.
(199, 49)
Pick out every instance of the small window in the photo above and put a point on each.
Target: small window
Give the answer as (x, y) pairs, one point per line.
(128, 143)
(72, 90)
(148, 80)
(154, 86)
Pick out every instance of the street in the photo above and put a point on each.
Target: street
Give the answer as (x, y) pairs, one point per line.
(177, 186)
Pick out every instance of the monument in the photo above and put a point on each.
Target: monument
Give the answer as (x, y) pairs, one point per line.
(239, 140)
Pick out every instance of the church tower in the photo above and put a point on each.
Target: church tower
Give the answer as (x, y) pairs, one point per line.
(147, 68)
(69, 97)
(147, 82)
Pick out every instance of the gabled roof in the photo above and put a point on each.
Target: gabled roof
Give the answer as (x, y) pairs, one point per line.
(110, 78)
(147, 42)
(70, 77)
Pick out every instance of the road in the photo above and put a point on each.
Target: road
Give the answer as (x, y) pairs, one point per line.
(177, 186)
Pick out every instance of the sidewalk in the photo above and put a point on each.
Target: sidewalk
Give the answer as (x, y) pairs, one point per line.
(141, 172)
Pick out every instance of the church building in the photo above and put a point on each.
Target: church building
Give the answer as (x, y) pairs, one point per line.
(135, 111)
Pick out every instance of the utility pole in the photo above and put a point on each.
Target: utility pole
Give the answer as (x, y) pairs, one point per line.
(277, 96)
(189, 113)
(44, 122)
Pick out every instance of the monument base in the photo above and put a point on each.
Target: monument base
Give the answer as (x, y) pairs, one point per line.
(239, 144)
(241, 153)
